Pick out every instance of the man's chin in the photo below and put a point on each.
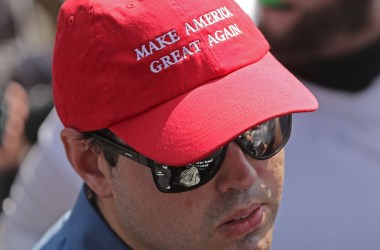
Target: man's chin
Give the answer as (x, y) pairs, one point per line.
(253, 241)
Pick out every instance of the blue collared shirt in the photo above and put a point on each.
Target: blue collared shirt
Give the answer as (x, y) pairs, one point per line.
(82, 228)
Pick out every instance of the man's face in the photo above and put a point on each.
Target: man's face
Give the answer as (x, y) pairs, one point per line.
(303, 29)
(235, 210)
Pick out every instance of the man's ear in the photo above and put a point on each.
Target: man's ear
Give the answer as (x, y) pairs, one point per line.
(87, 161)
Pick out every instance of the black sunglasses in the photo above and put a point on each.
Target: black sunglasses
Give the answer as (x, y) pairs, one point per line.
(261, 142)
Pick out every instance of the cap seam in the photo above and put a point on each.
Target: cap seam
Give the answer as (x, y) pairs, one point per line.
(100, 50)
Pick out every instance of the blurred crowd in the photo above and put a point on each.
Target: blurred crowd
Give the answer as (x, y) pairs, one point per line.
(27, 30)
(26, 38)
(333, 161)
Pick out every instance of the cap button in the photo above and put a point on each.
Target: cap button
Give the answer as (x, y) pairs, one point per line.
(71, 20)
(131, 5)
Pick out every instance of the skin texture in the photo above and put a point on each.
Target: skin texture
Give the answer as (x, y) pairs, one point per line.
(320, 29)
(148, 219)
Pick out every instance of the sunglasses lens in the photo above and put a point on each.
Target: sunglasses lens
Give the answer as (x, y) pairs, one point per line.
(266, 139)
(260, 142)
(179, 179)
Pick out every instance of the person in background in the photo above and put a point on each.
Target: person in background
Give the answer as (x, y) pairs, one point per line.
(25, 103)
(331, 193)
(153, 109)
(26, 34)
(14, 111)
(45, 188)
(25, 74)
(13, 99)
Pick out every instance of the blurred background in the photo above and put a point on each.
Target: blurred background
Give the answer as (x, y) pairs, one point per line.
(26, 40)
(332, 183)
(331, 190)
(34, 172)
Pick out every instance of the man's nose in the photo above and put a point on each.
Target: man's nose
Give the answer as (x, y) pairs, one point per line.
(237, 171)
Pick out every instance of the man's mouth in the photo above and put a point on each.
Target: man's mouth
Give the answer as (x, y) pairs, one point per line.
(243, 221)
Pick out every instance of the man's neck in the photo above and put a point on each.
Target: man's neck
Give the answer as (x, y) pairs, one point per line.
(106, 207)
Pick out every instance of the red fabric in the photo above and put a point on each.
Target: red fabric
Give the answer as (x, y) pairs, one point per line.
(104, 78)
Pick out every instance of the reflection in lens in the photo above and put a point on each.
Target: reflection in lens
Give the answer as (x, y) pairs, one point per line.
(189, 177)
(258, 139)
(181, 177)
(266, 139)
(260, 142)
(163, 176)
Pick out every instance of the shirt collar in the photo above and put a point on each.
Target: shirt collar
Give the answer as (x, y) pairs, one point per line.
(86, 228)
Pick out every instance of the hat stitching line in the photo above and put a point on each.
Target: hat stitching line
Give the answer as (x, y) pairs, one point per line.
(100, 49)
(199, 35)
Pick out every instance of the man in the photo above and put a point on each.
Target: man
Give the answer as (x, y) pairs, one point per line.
(331, 193)
(154, 96)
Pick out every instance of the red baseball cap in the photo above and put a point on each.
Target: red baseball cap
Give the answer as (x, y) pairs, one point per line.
(175, 79)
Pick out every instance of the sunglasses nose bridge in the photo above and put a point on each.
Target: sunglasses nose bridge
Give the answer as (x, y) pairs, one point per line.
(236, 172)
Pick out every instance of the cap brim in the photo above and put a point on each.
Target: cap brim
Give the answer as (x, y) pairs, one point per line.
(193, 125)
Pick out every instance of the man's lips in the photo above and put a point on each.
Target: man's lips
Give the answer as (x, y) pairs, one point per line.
(243, 221)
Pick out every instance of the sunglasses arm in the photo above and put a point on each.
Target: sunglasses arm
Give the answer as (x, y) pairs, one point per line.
(133, 155)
